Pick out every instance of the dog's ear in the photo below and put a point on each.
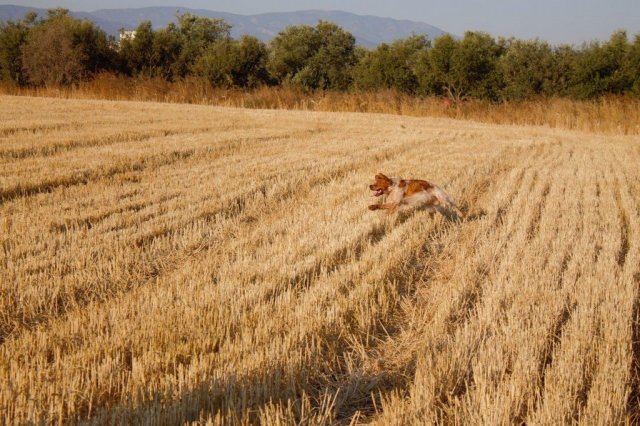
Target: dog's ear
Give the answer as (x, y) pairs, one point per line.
(381, 176)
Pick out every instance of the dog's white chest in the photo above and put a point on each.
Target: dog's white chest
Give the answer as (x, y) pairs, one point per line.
(395, 195)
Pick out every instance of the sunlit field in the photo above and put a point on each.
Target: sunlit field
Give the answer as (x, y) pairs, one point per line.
(169, 264)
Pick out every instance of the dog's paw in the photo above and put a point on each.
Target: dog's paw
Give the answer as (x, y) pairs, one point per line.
(374, 206)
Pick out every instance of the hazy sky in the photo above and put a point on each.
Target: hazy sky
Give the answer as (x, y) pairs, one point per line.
(558, 21)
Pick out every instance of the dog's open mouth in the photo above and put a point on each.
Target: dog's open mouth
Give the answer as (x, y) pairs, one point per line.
(378, 192)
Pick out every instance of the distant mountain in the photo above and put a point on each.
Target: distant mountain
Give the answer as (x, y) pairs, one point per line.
(369, 31)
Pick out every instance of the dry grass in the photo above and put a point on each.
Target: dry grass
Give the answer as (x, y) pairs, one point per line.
(609, 115)
(167, 264)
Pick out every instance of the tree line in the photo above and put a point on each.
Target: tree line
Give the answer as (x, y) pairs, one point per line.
(61, 50)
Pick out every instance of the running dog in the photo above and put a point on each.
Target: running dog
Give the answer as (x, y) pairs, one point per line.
(403, 193)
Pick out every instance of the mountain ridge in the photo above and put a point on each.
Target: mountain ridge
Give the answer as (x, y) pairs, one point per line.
(368, 30)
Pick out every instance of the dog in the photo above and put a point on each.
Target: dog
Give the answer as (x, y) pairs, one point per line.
(404, 193)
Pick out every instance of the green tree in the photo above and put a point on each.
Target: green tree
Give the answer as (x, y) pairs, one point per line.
(475, 63)
(525, 69)
(166, 51)
(234, 63)
(463, 68)
(137, 53)
(632, 65)
(196, 35)
(173, 51)
(290, 52)
(616, 52)
(251, 62)
(330, 67)
(563, 62)
(437, 69)
(395, 66)
(319, 57)
(97, 48)
(599, 68)
(13, 36)
(50, 55)
(61, 50)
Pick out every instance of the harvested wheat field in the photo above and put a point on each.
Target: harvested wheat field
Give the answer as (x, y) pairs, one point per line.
(167, 264)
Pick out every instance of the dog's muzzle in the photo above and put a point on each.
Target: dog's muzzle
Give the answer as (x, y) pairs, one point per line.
(376, 191)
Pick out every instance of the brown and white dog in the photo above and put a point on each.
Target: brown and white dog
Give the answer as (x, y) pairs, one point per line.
(403, 193)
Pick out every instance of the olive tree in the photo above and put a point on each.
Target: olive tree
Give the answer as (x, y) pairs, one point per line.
(234, 63)
(319, 57)
(392, 66)
(525, 69)
(50, 56)
(13, 36)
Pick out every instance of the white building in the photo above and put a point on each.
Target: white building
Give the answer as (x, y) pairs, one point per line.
(127, 35)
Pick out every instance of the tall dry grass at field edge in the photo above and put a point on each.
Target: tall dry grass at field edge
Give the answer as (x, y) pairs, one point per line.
(613, 114)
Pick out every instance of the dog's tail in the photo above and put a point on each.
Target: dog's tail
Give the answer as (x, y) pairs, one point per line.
(446, 200)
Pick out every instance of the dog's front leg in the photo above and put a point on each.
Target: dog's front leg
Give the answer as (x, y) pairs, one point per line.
(391, 207)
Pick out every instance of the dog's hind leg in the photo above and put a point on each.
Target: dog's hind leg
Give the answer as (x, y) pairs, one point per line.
(432, 211)
(446, 201)
(459, 212)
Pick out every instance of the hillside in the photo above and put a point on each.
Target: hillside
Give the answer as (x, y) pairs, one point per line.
(368, 30)
(170, 264)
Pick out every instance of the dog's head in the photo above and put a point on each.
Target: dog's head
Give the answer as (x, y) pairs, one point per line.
(381, 185)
